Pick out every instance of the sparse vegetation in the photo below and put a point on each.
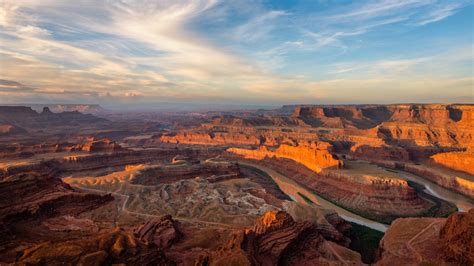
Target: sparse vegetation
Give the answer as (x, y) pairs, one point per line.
(365, 241)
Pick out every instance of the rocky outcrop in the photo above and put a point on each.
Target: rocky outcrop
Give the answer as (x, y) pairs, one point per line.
(316, 156)
(117, 246)
(276, 239)
(461, 161)
(101, 145)
(162, 232)
(376, 152)
(457, 237)
(42, 196)
(434, 241)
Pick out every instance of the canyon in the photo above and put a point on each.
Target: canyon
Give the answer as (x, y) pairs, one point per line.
(296, 185)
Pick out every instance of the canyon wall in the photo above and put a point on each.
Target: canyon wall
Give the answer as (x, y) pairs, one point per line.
(212, 138)
(316, 157)
(382, 198)
(445, 179)
(461, 161)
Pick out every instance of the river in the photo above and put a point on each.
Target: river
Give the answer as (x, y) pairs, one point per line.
(462, 202)
(295, 190)
(292, 188)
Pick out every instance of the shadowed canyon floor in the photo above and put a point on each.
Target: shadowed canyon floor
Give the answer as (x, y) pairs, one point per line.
(248, 187)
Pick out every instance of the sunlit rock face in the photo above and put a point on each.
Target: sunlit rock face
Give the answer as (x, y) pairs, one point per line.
(462, 161)
(316, 157)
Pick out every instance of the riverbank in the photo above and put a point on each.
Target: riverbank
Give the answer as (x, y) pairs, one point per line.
(303, 195)
(441, 207)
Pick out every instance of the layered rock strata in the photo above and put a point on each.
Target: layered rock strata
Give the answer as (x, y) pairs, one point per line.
(276, 239)
(461, 161)
(448, 179)
(117, 246)
(315, 157)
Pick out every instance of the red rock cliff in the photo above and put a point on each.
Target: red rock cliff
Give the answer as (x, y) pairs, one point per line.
(316, 157)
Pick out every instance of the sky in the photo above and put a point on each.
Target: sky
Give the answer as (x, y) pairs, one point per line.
(141, 53)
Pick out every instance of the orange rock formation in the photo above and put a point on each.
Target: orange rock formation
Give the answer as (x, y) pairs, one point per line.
(316, 157)
(462, 161)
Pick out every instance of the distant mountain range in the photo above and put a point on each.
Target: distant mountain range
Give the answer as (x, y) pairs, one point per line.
(59, 108)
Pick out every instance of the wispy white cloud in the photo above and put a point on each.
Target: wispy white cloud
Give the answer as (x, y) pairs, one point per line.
(258, 27)
(149, 50)
(439, 13)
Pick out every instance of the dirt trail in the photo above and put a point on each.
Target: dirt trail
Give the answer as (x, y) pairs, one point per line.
(125, 210)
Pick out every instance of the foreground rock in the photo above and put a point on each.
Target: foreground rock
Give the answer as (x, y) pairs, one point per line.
(277, 239)
(429, 240)
(162, 232)
(116, 246)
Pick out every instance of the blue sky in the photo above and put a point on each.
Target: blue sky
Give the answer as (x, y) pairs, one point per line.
(141, 52)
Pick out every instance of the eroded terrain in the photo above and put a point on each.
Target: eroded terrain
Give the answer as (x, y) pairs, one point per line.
(252, 187)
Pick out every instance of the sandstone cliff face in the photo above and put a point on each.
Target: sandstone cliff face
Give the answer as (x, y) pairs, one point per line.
(379, 152)
(461, 161)
(315, 157)
(445, 179)
(342, 116)
(435, 241)
(407, 124)
(431, 125)
(276, 239)
(218, 138)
